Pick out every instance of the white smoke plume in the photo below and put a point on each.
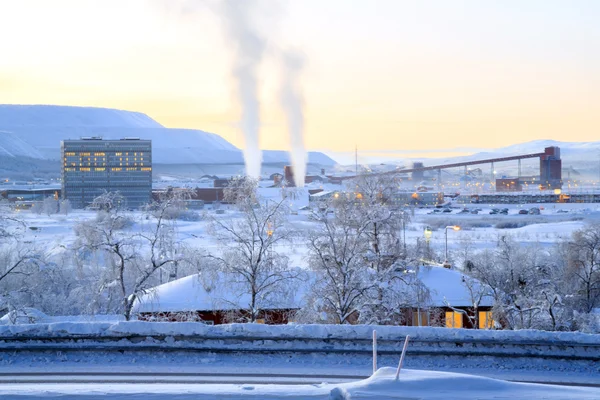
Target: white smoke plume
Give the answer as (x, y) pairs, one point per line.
(249, 47)
(292, 101)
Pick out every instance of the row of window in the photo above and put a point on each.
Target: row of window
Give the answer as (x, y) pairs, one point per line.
(453, 319)
(102, 169)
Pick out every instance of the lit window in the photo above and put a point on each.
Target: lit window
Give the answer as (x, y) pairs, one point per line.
(454, 319)
(420, 318)
(485, 320)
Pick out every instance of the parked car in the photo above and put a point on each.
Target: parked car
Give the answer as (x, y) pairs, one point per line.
(447, 210)
(475, 211)
(463, 211)
(523, 212)
(534, 211)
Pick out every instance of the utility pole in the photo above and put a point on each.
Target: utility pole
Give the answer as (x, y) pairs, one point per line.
(356, 158)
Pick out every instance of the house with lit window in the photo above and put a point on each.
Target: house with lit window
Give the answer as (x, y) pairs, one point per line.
(452, 299)
(92, 165)
(443, 297)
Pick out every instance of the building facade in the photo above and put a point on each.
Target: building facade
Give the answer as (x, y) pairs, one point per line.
(91, 166)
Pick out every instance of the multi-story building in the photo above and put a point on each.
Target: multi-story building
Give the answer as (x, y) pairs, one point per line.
(91, 166)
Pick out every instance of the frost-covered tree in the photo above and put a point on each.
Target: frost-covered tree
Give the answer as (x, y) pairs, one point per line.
(387, 255)
(20, 261)
(133, 260)
(50, 206)
(250, 264)
(584, 265)
(337, 248)
(107, 240)
(65, 207)
(530, 285)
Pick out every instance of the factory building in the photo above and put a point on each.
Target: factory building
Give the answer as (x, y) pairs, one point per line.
(551, 168)
(91, 166)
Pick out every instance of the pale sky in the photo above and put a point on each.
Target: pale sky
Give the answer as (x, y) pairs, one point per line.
(380, 74)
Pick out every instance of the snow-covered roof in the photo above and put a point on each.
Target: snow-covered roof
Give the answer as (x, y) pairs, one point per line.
(447, 286)
(192, 293)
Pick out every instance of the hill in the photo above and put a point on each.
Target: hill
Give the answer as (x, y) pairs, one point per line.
(35, 131)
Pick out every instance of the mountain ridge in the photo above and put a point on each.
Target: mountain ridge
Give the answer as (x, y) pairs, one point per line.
(36, 131)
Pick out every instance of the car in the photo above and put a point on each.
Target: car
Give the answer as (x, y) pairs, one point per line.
(447, 210)
(463, 211)
(534, 211)
(523, 212)
(475, 211)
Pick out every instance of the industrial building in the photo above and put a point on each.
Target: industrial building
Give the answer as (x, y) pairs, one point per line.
(91, 166)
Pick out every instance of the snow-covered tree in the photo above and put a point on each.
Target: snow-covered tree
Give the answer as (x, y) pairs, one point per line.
(107, 238)
(65, 207)
(584, 265)
(337, 248)
(249, 264)
(387, 255)
(20, 261)
(50, 205)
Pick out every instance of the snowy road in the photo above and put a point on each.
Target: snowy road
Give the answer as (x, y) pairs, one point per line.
(105, 377)
(27, 377)
(413, 384)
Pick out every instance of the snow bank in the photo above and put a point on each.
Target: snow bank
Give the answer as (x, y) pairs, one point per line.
(416, 384)
(142, 328)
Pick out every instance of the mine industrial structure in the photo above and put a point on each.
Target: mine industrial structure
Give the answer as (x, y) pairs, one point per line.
(550, 169)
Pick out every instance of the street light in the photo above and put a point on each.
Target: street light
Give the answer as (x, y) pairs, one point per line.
(403, 213)
(454, 228)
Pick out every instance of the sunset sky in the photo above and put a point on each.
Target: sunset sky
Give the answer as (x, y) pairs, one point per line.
(418, 75)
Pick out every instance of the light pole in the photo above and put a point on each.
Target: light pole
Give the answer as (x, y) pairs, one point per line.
(454, 228)
(403, 213)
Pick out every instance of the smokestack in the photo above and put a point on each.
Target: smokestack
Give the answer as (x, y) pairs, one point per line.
(292, 102)
(248, 47)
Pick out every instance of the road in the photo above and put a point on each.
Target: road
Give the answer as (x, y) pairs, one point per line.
(106, 377)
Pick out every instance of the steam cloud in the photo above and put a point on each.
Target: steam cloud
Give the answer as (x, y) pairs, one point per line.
(249, 49)
(292, 102)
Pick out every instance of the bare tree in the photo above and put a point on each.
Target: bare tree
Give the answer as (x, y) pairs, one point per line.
(337, 248)
(50, 205)
(387, 255)
(249, 263)
(584, 264)
(20, 260)
(106, 234)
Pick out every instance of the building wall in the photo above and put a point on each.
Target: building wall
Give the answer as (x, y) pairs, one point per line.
(218, 317)
(92, 166)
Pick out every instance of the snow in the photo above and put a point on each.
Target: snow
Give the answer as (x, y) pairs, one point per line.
(296, 331)
(446, 287)
(441, 385)
(191, 293)
(67, 116)
(412, 384)
(36, 131)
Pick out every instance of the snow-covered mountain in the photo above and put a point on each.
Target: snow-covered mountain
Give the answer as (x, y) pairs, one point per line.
(35, 131)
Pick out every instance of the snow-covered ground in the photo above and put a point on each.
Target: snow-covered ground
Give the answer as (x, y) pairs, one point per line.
(411, 384)
(480, 231)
